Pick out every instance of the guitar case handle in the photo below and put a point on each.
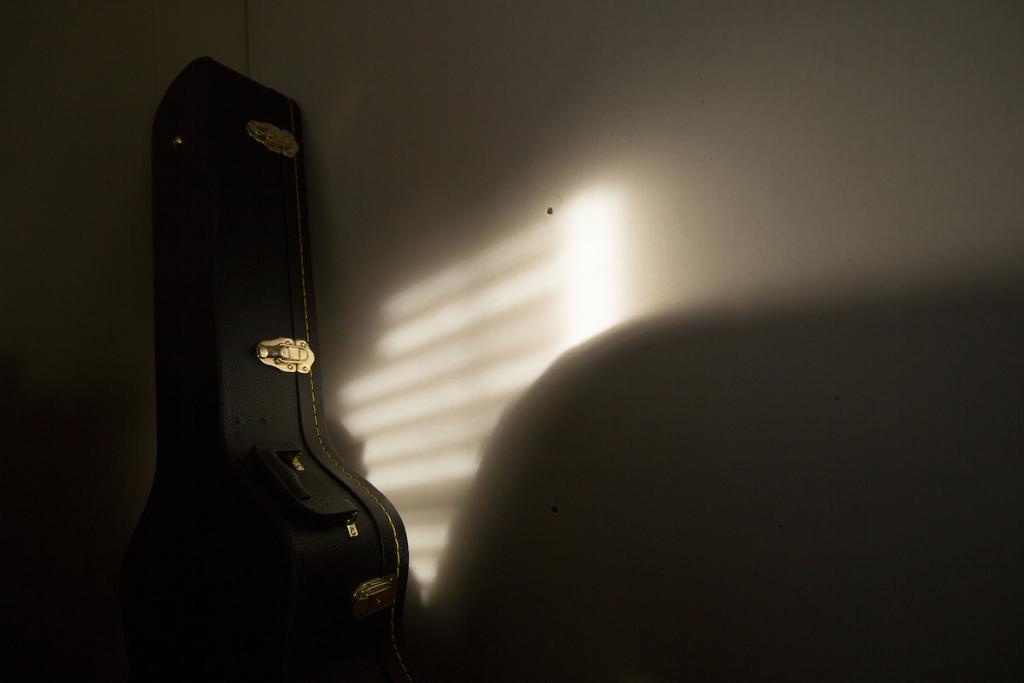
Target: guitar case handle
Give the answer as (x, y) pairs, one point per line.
(302, 481)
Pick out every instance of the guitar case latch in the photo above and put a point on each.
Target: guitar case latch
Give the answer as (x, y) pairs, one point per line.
(287, 355)
(374, 595)
(273, 138)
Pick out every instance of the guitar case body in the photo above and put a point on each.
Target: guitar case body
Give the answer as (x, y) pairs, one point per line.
(261, 555)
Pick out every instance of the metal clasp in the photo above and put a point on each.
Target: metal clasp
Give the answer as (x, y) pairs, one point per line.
(287, 355)
(273, 138)
(374, 595)
(350, 524)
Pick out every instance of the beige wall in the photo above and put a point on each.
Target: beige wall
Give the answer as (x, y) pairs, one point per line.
(80, 84)
(765, 150)
(759, 154)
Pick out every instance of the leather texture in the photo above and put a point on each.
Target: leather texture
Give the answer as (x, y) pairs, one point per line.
(242, 566)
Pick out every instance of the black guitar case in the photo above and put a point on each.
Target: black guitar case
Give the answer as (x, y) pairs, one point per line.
(261, 555)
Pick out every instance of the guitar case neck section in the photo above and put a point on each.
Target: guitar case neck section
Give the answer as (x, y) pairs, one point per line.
(261, 553)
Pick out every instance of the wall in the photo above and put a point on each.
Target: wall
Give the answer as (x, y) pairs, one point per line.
(802, 163)
(782, 147)
(81, 82)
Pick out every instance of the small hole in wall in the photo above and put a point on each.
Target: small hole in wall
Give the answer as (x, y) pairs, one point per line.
(554, 508)
(551, 211)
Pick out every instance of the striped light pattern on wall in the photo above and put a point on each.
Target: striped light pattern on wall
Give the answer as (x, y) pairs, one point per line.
(458, 346)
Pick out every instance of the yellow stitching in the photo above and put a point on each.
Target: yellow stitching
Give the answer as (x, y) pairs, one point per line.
(316, 422)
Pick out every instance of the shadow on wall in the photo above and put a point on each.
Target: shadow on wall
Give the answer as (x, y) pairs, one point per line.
(797, 495)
